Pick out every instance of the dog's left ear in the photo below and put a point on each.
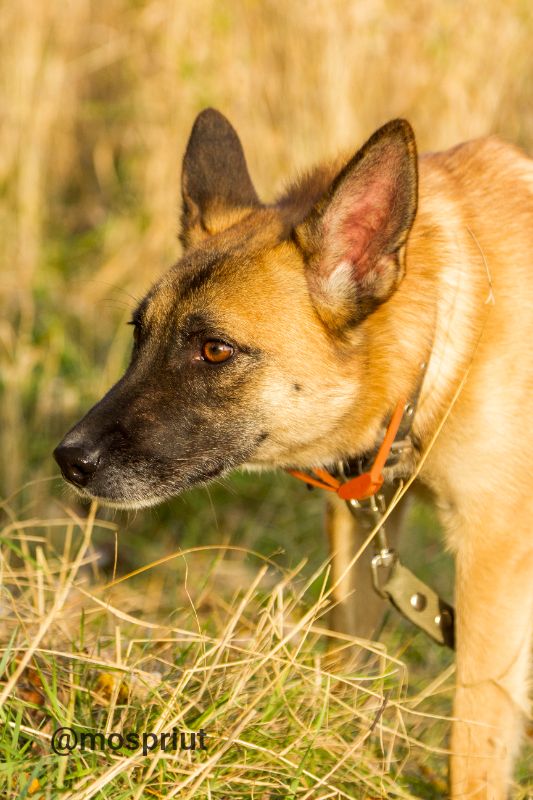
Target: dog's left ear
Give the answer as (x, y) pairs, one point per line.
(354, 237)
(215, 183)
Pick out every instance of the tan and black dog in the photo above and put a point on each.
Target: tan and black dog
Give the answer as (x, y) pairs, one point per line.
(287, 333)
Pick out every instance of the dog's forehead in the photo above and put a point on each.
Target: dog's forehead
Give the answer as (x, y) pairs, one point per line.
(219, 267)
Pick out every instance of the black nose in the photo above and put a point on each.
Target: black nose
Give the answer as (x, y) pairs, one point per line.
(78, 464)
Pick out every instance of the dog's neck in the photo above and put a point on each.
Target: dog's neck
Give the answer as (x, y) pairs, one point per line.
(446, 260)
(432, 319)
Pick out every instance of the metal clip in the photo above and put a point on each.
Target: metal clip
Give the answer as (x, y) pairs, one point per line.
(418, 603)
(393, 581)
(385, 559)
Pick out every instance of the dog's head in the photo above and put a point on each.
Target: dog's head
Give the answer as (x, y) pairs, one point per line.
(253, 347)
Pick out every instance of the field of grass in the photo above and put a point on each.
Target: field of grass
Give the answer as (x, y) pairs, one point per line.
(228, 633)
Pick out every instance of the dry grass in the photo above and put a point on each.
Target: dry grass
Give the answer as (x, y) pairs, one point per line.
(97, 102)
(283, 717)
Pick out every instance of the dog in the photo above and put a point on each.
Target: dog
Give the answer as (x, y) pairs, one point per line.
(287, 333)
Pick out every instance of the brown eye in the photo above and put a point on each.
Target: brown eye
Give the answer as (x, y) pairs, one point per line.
(216, 351)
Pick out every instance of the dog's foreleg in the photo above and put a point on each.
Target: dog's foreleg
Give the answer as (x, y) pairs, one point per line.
(494, 601)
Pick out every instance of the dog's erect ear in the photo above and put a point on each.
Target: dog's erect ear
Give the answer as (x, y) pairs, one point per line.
(215, 183)
(353, 238)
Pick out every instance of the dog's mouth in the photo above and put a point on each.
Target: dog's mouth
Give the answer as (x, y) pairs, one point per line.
(127, 492)
(139, 483)
(126, 504)
(118, 492)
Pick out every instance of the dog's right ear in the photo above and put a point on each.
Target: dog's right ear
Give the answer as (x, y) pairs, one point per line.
(215, 184)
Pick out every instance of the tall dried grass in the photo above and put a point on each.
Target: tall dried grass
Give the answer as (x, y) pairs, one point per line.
(283, 716)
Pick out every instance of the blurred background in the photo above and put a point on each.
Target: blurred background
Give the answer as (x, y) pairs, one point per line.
(97, 101)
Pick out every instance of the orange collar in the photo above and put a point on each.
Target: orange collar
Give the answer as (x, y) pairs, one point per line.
(369, 483)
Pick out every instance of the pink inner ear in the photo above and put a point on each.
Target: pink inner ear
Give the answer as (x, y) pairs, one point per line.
(362, 219)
